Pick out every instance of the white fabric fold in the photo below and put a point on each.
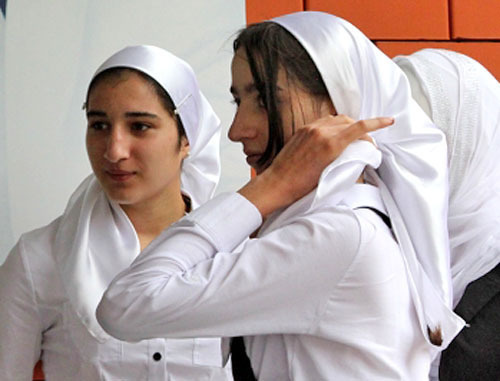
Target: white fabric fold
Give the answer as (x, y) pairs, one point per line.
(92, 224)
(364, 83)
(335, 181)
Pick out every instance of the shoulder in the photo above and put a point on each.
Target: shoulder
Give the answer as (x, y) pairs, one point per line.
(333, 222)
(31, 246)
(358, 238)
(375, 235)
(379, 257)
(336, 223)
(39, 242)
(331, 234)
(32, 262)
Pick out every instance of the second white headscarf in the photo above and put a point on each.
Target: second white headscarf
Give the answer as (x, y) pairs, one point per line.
(463, 99)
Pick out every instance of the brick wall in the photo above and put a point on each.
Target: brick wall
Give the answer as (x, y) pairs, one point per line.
(405, 26)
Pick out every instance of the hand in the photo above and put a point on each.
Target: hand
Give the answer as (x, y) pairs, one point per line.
(295, 171)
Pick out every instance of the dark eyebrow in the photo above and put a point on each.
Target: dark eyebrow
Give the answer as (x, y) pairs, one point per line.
(131, 114)
(136, 114)
(91, 113)
(250, 88)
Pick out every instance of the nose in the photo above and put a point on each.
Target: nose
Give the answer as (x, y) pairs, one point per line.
(117, 145)
(241, 127)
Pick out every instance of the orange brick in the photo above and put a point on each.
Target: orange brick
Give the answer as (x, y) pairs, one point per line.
(260, 10)
(475, 19)
(391, 19)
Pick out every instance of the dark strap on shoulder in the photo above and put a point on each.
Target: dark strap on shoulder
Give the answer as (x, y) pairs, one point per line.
(242, 369)
(383, 216)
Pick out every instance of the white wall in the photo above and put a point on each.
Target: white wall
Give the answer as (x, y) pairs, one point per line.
(6, 237)
(51, 50)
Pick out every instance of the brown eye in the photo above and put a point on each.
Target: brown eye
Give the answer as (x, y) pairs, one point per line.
(140, 127)
(98, 126)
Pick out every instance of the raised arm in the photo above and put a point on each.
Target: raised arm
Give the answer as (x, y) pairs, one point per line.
(189, 283)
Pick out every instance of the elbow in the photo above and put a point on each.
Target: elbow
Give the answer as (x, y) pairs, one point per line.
(110, 317)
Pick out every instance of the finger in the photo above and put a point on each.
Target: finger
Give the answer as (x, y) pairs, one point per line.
(342, 118)
(362, 127)
(334, 120)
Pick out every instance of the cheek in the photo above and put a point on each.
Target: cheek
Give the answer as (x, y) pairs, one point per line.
(260, 123)
(303, 113)
(93, 148)
(290, 123)
(162, 156)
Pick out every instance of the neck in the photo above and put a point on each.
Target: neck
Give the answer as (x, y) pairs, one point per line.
(151, 218)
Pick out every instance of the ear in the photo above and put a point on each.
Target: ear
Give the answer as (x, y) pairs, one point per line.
(184, 147)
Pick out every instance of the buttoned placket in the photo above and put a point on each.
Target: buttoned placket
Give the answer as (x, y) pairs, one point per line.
(157, 361)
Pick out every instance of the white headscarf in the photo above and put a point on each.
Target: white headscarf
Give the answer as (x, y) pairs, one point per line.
(92, 224)
(463, 99)
(364, 83)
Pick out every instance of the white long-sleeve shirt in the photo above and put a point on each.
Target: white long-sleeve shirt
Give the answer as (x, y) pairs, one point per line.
(321, 296)
(37, 320)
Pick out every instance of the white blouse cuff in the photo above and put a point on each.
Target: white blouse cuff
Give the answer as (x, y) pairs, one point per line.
(228, 218)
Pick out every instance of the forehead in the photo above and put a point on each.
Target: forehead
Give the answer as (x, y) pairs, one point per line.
(120, 85)
(242, 78)
(240, 69)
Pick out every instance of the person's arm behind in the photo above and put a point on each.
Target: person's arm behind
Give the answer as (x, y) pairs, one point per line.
(20, 326)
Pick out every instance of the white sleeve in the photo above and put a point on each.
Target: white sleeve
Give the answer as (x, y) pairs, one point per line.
(20, 326)
(189, 284)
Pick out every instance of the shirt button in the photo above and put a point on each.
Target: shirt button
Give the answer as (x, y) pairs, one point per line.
(157, 356)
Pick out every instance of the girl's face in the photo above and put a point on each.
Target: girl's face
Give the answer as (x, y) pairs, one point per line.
(132, 142)
(250, 123)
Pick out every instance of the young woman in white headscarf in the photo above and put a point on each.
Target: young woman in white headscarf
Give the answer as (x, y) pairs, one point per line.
(324, 290)
(463, 100)
(153, 144)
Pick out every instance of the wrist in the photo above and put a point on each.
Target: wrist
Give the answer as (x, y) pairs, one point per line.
(266, 192)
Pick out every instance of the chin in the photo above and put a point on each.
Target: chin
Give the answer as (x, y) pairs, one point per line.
(119, 197)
